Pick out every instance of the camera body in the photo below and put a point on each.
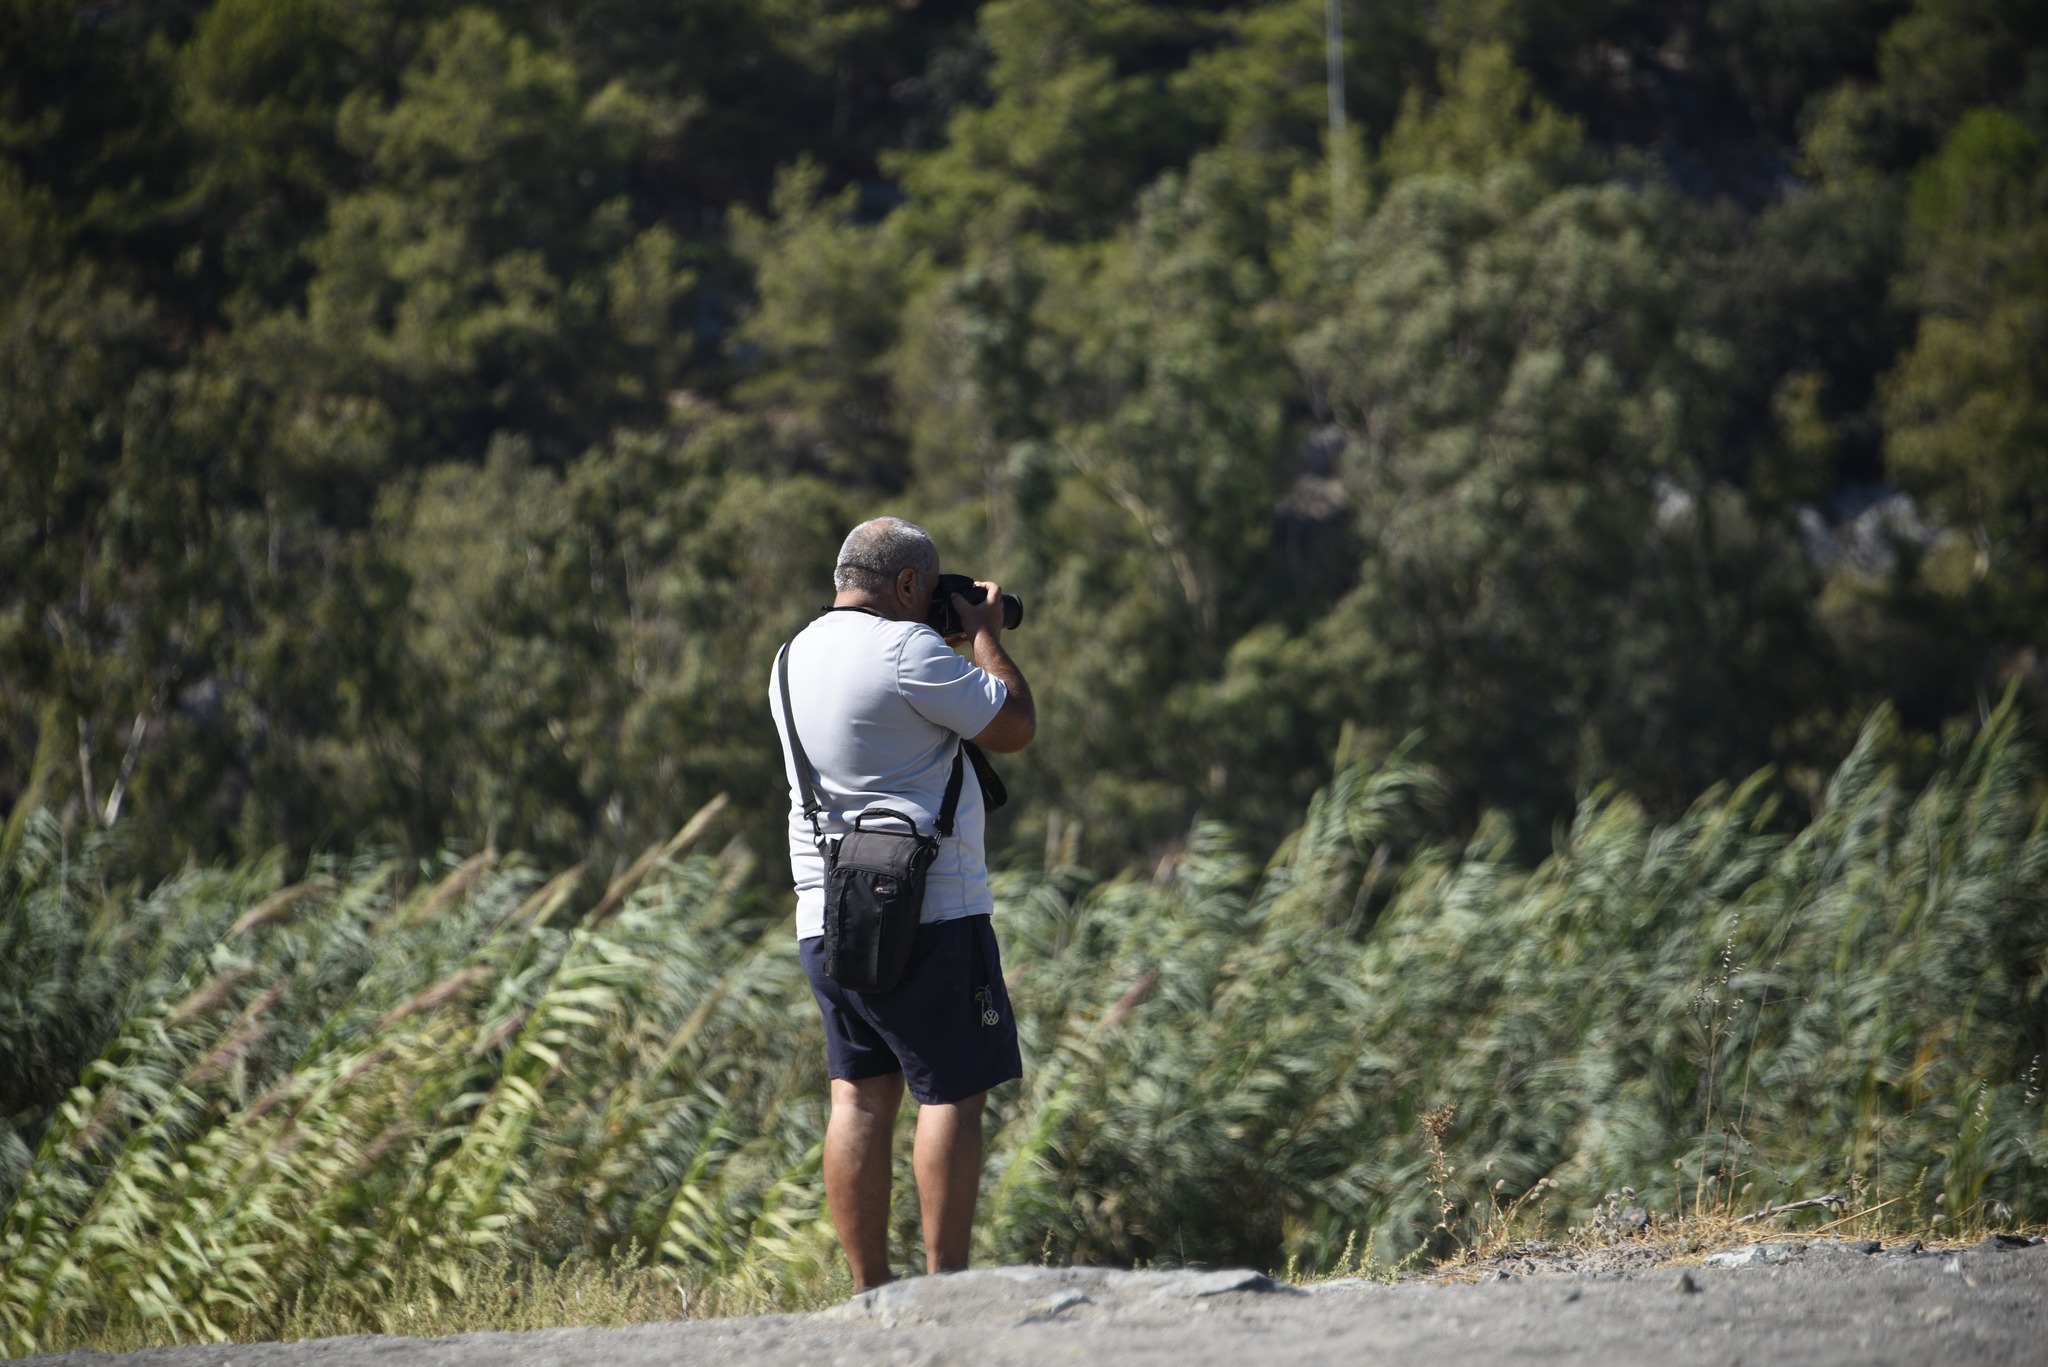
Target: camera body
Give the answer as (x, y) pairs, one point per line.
(943, 619)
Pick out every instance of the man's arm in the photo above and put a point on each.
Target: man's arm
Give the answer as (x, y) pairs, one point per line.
(1017, 722)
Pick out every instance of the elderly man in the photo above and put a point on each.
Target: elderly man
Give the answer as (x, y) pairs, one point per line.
(880, 704)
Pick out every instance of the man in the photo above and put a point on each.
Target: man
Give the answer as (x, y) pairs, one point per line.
(880, 703)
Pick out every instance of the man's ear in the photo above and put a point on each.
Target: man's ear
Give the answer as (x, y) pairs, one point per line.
(906, 584)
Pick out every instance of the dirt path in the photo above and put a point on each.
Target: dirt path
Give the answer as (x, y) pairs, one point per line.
(1818, 1305)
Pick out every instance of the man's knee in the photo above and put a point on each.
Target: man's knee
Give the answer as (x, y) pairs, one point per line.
(949, 1120)
(968, 1107)
(869, 1096)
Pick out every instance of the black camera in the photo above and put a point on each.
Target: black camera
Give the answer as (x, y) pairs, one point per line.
(944, 620)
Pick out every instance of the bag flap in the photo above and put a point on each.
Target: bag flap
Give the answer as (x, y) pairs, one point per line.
(884, 851)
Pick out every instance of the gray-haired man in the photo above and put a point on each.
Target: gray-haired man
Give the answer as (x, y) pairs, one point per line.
(881, 704)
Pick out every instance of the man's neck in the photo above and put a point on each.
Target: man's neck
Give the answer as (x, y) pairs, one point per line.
(864, 601)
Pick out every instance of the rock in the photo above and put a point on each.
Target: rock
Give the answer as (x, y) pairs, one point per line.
(2002, 1243)
(1053, 1305)
(1756, 1255)
(1687, 1285)
(1859, 1247)
(1905, 1250)
(1185, 1285)
(1038, 1292)
(1568, 1295)
(1341, 1284)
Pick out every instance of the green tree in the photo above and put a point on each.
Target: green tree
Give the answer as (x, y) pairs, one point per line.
(491, 276)
(1487, 116)
(87, 114)
(1939, 61)
(1968, 404)
(1551, 585)
(1081, 114)
(829, 294)
(259, 86)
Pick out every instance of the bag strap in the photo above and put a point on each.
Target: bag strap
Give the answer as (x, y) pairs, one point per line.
(947, 808)
(796, 747)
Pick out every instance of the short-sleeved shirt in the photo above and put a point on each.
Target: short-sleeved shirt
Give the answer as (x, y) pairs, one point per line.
(881, 707)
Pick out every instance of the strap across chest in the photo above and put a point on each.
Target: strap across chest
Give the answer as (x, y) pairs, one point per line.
(813, 808)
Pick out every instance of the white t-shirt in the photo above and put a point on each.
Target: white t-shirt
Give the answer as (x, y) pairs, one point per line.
(880, 707)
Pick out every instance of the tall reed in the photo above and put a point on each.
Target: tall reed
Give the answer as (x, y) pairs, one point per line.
(304, 1106)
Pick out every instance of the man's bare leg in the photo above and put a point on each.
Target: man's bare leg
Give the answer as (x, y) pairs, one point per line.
(947, 1159)
(857, 1157)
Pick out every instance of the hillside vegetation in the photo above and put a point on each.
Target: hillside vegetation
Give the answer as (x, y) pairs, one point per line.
(420, 422)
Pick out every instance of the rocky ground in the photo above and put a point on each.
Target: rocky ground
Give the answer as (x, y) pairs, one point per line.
(1784, 1302)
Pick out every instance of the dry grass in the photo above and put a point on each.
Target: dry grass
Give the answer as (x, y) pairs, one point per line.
(1621, 1235)
(496, 1294)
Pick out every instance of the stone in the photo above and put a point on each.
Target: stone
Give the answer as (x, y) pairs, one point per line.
(2003, 1243)
(1756, 1255)
(1859, 1247)
(957, 1297)
(1341, 1284)
(1052, 1306)
(1185, 1285)
(1687, 1285)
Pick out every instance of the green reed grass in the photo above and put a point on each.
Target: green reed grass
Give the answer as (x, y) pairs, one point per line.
(367, 1100)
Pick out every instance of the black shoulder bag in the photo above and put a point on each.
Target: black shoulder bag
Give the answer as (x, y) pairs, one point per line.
(874, 879)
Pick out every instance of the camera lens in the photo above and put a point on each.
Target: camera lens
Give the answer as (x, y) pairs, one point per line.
(943, 619)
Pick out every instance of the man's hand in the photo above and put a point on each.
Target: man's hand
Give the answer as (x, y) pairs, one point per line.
(987, 615)
(982, 623)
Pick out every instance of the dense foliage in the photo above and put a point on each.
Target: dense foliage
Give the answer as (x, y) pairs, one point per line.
(350, 1096)
(419, 422)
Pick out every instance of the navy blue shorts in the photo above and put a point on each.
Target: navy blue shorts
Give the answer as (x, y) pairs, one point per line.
(929, 1026)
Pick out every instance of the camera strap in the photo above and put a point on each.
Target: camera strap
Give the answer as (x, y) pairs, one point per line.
(812, 807)
(993, 792)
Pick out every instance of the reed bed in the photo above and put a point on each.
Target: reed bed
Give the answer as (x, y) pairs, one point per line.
(366, 1099)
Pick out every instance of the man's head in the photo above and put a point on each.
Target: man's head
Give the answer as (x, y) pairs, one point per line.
(889, 565)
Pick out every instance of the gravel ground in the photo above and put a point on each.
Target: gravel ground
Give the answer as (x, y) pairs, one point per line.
(1782, 1303)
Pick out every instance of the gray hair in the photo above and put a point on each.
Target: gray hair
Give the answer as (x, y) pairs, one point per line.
(878, 550)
